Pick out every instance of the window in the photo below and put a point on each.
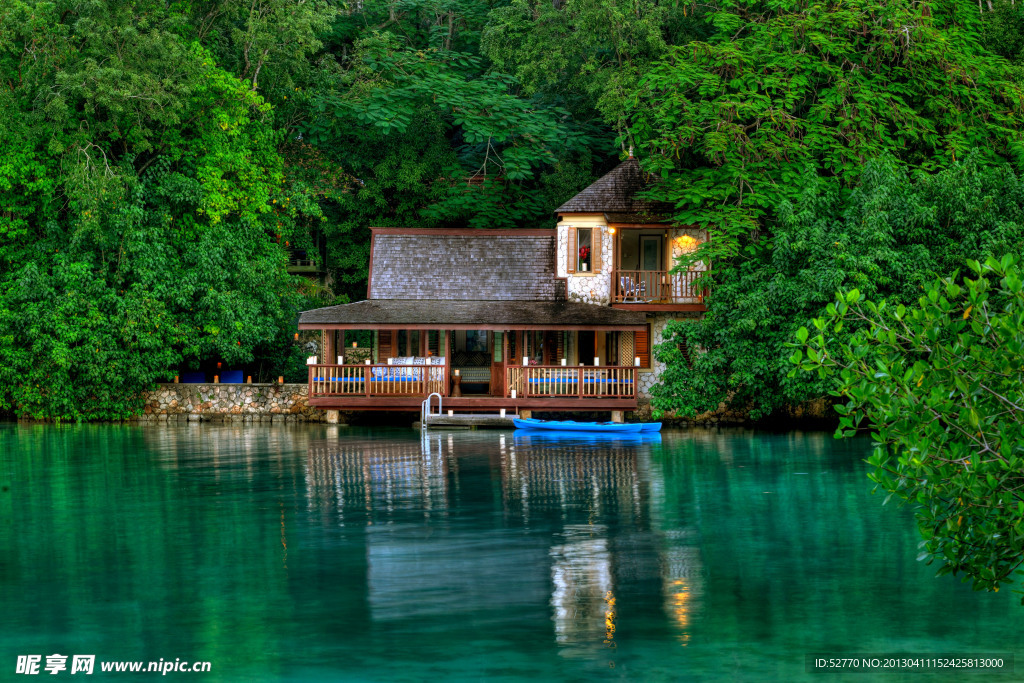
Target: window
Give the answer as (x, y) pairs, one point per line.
(642, 346)
(498, 343)
(611, 345)
(584, 249)
(535, 347)
(476, 341)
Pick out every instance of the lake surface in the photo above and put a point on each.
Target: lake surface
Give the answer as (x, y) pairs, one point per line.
(325, 553)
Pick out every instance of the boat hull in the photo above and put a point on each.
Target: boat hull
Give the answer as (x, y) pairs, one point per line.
(571, 426)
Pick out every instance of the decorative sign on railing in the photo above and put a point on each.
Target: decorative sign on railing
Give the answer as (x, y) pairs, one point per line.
(656, 287)
(608, 381)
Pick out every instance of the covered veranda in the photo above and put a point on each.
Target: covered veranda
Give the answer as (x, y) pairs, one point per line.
(480, 355)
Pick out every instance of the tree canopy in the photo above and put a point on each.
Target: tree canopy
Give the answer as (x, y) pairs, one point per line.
(163, 161)
(941, 386)
(788, 91)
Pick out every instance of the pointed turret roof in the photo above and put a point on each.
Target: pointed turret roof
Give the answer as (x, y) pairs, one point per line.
(615, 192)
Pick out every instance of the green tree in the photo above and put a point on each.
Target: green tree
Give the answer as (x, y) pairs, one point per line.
(143, 202)
(788, 91)
(587, 55)
(888, 238)
(941, 386)
(1003, 32)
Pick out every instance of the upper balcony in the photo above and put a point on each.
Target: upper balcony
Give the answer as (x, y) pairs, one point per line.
(630, 266)
(646, 288)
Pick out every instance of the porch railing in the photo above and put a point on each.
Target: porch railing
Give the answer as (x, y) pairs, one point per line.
(376, 380)
(609, 381)
(533, 381)
(655, 287)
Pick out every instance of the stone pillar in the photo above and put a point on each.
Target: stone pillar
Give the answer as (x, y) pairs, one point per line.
(334, 417)
(617, 416)
(526, 414)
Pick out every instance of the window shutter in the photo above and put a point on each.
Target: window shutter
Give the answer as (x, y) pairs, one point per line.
(642, 346)
(434, 342)
(570, 252)
(384, 347)
(685, 351)
(597, 240)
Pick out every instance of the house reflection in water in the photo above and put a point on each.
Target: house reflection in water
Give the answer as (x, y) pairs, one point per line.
(484, 527)
(683, 582)
(581, 600)
(575, 474)
(367, 480)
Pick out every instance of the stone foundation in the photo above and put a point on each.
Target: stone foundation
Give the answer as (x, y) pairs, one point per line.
(231, 402)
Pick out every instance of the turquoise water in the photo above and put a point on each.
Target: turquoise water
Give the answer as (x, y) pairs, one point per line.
(324, 553)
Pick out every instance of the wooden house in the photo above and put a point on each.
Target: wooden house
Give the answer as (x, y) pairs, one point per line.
(560, 320)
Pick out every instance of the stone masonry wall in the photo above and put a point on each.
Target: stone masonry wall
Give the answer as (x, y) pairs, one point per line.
(587, 288)
(231, 402)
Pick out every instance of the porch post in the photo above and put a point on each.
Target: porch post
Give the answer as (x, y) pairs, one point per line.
(328, 348)
(504, 363)
(447, 363)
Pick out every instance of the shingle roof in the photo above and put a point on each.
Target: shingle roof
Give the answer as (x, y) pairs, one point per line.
(495, 265)
(448, 313)
(615, 192)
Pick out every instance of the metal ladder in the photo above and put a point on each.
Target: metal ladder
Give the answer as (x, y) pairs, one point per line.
(425, 409)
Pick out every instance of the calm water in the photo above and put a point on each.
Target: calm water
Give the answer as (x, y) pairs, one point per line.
(319, 553)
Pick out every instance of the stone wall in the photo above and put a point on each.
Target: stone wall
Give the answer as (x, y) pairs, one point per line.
(592, 287)
(231, 402)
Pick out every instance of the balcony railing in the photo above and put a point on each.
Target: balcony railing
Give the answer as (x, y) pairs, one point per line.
(376, 380)
(655, 287)
(609, 381)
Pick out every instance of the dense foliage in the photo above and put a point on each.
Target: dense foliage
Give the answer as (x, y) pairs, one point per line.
(941, 385)
(141, 187)
(887, 238)
(791, 91)
(162, 161)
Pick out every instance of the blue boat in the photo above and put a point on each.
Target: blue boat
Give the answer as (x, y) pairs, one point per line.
(650, 427)
(572, 426)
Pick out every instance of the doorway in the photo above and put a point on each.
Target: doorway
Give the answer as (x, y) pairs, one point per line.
(650, 252)
(587, 346)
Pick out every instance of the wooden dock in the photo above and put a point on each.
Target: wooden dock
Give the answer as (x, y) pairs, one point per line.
(469, 421)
